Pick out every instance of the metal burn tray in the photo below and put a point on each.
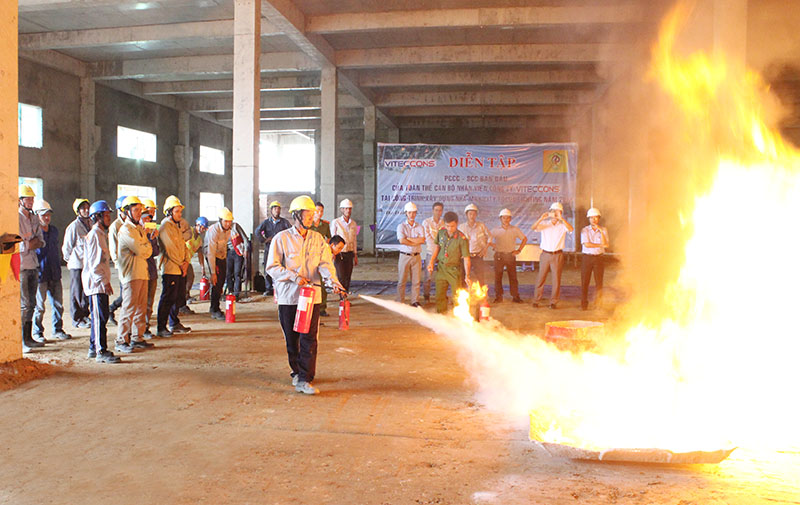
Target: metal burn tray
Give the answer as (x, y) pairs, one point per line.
(662, 456)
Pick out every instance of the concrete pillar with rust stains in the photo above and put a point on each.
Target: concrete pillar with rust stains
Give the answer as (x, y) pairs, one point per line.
(369, 152)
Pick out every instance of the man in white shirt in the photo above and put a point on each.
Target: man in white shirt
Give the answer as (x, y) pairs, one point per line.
(411, 236)
(504, 241)
(478, 237)
(432, 225)
(594, 241)
(346, 228)
(554, 230)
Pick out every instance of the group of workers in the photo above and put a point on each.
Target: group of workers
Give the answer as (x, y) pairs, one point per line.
(457, 252)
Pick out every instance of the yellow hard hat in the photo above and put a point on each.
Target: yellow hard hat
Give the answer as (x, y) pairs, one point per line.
(275, 203)
(150, 204)
(170, 202)
(130, 200)
(77, 204)
(225, 214)
(25, 191)
(302, 203)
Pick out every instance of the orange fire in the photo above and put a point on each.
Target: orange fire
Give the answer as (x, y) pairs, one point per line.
(719, 369)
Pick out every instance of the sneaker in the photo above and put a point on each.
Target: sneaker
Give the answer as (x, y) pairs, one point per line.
(107, 357)
(112, 320)
(26, 349)
(498, 299)
(416, 304)
(91, 355)
(306, 388)
(535, 305)
(123, 348)
(38, 337)
(553, 306)
(295, 379)
(148, 335)
(323, 313)
(62, 335)
(218, 315)
(518, 300)
(165, 333)
(82, 324)
(141, 344)
(179, 328)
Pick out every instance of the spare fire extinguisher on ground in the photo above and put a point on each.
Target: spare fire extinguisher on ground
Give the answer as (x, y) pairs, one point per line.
(205, 289)
(305, 309)
(230, 309)
(482, 311)
(344, 314)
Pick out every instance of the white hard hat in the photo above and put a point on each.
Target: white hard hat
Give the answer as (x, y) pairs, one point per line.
(410, 207)
(557, 206)
(470, 207)
(41, 206)
(505, 212)
(346, 204)
(593, 212)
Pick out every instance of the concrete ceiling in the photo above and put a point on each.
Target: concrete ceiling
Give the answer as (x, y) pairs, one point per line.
(422, 63)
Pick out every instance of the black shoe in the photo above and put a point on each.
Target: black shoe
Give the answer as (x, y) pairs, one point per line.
(498, 299)
(553, 306)
(518, 300)
(323, 313)
(218, 315)
(62, 335)
(124, 348)
(107, 357)
(148, 335)
(38, 337)
(427, 298)
(584, 306)
(112, 320)
(91, 355)
(165, 333)
(179, 328)
(270, 292)
(535, 305)
(416, 304)
(141, 344)
(185, 310)
(82, 324)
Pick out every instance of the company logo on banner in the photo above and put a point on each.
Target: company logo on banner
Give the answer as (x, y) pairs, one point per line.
(525, 178)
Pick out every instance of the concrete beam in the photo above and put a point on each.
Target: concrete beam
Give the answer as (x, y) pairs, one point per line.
(484, 110)
(271, 101)
(474, 18)
(278, 124)
(212, 86)
(489, 53)
(519, 122)
(47, 5)
(131, 35)
(488, 77)
(285, 15)
(306, 113)
(57, 61)
(196, 65)
(482, 98)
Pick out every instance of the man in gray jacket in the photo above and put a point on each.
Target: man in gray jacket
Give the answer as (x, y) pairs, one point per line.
(32, 239)
(72, 250)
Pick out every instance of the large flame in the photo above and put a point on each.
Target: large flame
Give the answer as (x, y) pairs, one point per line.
(719, 367)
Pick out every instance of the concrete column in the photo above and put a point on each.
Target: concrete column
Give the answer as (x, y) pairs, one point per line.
(10, 342)
(369, 179)
(327, 155)
(90, 136)
(184, 157)
(246, 111)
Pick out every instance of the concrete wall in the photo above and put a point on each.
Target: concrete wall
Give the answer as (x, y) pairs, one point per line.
(10, 341)
(202, 132)
(57, 163)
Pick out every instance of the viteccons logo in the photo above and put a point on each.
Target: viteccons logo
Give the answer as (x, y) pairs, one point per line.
(409, 163)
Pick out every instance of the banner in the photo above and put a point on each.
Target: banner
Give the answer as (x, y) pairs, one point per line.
(525, 178)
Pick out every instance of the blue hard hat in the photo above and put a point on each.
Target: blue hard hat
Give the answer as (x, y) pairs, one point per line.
(119, 202)
(201, 221)
(99, 206)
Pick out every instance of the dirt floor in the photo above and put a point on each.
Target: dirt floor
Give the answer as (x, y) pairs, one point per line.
(210, 417)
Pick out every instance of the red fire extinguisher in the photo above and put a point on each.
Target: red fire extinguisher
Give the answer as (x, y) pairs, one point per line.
(344, 314)
(230, 308)
(305, 309)
(205, 288)
(483, 311)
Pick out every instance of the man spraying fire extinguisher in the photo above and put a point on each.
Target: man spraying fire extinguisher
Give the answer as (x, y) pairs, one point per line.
(298, 260)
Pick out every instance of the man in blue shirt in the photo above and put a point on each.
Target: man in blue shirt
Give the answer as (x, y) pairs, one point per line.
(49, 276)
(270, 227)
